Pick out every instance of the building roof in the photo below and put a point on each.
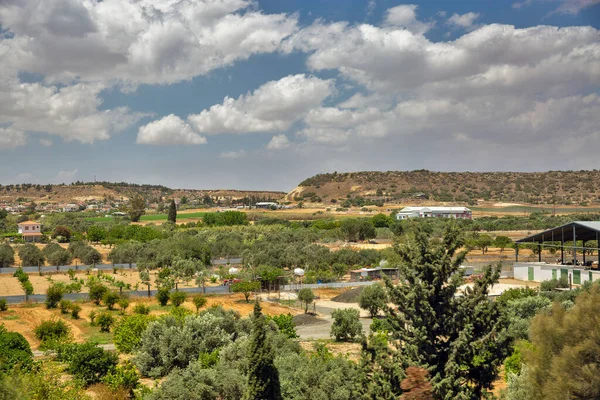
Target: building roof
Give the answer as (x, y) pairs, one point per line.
(28, 223)
(584, 230)
(435, 209)
(32, 234)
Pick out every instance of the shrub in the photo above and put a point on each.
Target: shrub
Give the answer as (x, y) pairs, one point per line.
(93, 316)
(7, 255)
(286, 325)
(122, 377)
(141, 309)
(547, 286)
(105, 320)
(30, 255)
(372, 298)
(65, 306)
(96, 293)
(123, 303)
(177, 298)
(91, 363)
(163, 296)
(199, 301)
(14, 351)
(54, 295)
(51, 331)
(75, 310)
(110, 299)
(3, 304)
(346, 324)
(128, 332)
(306, 296)
(380, 325)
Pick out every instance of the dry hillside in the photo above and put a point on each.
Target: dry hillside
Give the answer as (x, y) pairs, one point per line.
(108, 191)
(558, 187)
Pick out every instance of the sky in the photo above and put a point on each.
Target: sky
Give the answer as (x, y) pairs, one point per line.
(262, 94)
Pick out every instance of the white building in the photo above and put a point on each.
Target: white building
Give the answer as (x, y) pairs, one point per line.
(434, 212)
(266, 205)
(31, 231)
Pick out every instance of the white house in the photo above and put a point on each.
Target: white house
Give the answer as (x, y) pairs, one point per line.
(70, 208)
(266, 205)
(31, 231)
(434, 212)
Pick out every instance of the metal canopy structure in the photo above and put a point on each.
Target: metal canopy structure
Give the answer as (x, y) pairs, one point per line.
(582, 231)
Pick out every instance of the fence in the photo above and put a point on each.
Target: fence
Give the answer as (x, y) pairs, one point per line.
(299, 286)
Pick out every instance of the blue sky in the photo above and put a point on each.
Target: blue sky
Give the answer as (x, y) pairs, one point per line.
(262, 94)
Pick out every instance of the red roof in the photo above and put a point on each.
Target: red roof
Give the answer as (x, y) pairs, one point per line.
(32, 234)
(29, 223)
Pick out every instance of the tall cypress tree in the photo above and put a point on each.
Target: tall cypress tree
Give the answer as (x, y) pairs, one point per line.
(456, 338)
(263, 377)
(172, 215)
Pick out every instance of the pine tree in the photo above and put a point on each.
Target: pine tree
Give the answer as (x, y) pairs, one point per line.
(172, 216)
(457, 339)
(263, 377)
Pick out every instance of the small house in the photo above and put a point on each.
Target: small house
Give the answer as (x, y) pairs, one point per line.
(31, 231)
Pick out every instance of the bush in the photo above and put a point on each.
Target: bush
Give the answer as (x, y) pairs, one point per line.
(547, 286)
(141, 309)
(162, 296)
(346, 324)
(105, 320)
(306, 296)
(123, 377)
(65, 306)
(199, 301)
(7, 255)
(93, 316)
(372, 298)
(14, 351)
(123, 303)
(75, 310)
(50, 331)
(380, 325)
(30, 255)
(97, 292)
(3, 304)
(128, 332)
(177, 298)
(54, 295)
(110, 299)
(285, 323)
(90, 363)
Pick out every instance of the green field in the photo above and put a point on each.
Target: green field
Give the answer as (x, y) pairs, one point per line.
(163, 217)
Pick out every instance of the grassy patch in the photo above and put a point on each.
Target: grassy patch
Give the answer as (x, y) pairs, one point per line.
(11, 317)
(161, 217)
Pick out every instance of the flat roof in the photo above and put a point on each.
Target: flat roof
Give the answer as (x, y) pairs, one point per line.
(584, 230)
(28, 223)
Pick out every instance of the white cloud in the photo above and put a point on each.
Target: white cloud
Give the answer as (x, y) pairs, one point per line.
(169, 130)
(46, 142)
(232, 155)
(66, 176)
(278, 142)
(465, 21)
(11, 138)
(565, 7)
(405, 16)
(272, 107)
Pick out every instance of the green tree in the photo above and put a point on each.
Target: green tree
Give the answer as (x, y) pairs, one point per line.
(483, 242)
(128, 332)
(177, 298)
(306, 296)
(162, 296)
(372, 298)
(136, 208)
(172, 214)
(502, 242)
(105, 320)
(263, 377)
(14, 351)
(91, 363)
(49, 331)
(96, 292)
(457, 339)
(381, 221)
(110, 298)
(30, 255)
(7, 255)
(54, 295)
(96, 234)
(59, 257)
(246, 288)
(90, 256)
(199, 301)
(346, 324)
(62, 233)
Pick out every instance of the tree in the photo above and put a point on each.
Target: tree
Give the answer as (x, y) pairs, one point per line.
(128, 332)
(30, 255)
(381, 221)
(136, 208)
(199, 301)
(123, 303)
(162, 296)
(96, 292)
(90, 363)
(177, 298)
(457, 339)
(62, 232)
(502, 242)
(7, 255)
(54, 295)
(91, 256)
(105, 320)
(372, 298)
(110, 298)
(59, 257)
(14, 351)
(306, 296)
(263, 377)
(96, 234)
(172, 215)
(246, 287)
(564, 356)
(346, 324)
(51, 330)
(483, 242)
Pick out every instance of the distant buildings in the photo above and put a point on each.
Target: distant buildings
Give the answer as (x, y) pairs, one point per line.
(434, 212)
(266, 205)
(31, 231)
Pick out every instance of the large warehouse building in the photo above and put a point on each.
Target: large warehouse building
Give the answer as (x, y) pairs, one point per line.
(434, 212)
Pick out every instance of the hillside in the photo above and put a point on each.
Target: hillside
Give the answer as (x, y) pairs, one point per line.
(553, 187)
(102, 191)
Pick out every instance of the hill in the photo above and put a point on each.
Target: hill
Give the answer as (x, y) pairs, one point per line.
(114, 191)
(369, 187)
